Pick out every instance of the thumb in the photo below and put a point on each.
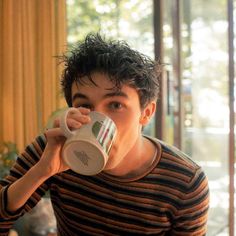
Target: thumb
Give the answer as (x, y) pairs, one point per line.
(55, 133)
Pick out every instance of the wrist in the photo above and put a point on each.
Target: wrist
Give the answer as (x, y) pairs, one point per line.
(41, 171)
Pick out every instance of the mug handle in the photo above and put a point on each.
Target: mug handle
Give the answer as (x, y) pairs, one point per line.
(63, 125)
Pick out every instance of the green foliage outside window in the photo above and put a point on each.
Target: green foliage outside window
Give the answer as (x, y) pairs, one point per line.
(123, 19)
(8, 155)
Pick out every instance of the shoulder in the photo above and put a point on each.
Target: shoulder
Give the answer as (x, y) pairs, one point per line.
(182, 182)
(177, 164)
(171, 154)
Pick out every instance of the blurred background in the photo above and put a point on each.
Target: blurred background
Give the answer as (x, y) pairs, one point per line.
(195, 41)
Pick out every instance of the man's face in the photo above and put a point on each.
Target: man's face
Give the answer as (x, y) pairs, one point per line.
(123, 107)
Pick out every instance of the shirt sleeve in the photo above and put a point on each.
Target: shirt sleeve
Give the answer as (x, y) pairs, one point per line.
(24, 162)
(191, 218)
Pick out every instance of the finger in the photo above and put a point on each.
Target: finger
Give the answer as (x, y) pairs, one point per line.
(84, 110)
(56, 123)
(73, 124)
(54, 132)
(80, 118)
(79, 110)
(80, 115)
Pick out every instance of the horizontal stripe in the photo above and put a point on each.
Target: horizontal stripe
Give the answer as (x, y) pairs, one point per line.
(173, 197)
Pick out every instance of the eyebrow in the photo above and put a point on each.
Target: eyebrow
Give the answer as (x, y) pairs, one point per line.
(107, 95)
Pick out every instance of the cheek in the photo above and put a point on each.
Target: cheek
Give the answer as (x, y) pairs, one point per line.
(126, 137)
(127, 133)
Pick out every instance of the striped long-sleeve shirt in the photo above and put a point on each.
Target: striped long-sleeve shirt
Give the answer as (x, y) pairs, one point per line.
(171, 198)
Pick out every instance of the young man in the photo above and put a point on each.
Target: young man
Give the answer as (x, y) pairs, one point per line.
(146, 188)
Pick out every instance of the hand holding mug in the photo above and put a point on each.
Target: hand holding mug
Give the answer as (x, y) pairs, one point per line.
(51, 162)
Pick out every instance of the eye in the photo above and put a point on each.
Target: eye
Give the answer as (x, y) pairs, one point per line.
(115, 105)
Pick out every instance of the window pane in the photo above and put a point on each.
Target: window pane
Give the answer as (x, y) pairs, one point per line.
(124, 19)
(205, 98)
(204, 95)
(170, 89)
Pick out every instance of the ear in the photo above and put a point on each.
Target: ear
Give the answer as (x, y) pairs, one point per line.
(147, 113)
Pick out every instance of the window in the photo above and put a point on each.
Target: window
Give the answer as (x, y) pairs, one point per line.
(204, 93)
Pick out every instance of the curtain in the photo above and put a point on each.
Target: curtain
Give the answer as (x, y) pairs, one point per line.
(32, 34)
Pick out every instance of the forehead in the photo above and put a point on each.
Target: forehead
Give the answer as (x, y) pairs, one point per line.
(100, 86)
(96, 81)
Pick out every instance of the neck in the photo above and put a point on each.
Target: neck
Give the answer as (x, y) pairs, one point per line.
(137, 160)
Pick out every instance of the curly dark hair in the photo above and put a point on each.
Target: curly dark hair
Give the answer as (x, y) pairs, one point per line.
(116, 59)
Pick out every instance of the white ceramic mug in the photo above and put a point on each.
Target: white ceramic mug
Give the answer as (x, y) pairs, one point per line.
(86, 149)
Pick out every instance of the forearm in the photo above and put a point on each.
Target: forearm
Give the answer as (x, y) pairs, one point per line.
(21, 190)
